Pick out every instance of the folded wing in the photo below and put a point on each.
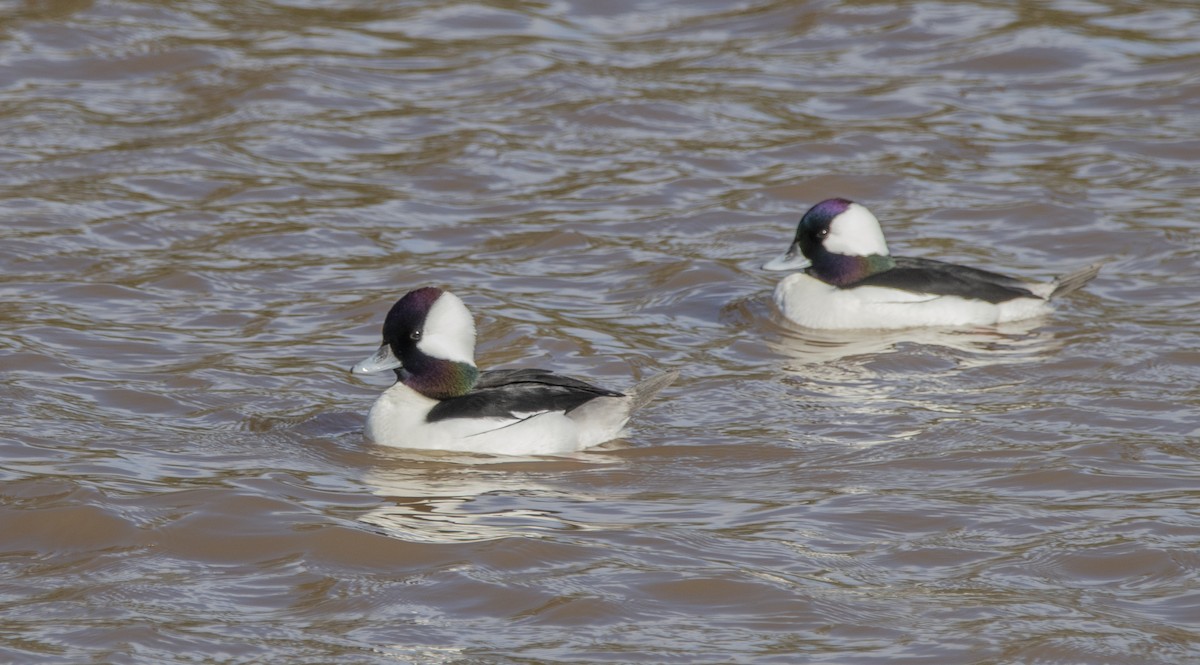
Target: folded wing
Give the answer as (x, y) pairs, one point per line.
(517, 394)
(937, 278)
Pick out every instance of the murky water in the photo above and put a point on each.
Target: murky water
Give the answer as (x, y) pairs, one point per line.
(208, 207)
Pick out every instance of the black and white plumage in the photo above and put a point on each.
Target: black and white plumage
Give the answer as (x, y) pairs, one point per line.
(848, 279)
(508, 393)
(442, 401)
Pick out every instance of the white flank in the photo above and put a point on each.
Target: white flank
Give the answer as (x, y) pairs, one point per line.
(812, 303)
(397, 419)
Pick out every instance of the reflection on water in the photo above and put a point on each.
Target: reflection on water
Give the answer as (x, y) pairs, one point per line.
(885, 376)
(437, 498)
(1018, 341)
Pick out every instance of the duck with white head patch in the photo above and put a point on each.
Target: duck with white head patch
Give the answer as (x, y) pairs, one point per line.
(441, 401)
(849, 279)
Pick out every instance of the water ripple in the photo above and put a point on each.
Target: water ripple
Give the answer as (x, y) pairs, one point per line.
(208, 207)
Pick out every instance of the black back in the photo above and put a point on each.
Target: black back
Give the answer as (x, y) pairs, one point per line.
(946, 279)
(506, 392)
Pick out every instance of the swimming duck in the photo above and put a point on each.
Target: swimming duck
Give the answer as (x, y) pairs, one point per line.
(850, 280)
(441, 400)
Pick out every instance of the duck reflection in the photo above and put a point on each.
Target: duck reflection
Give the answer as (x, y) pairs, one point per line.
(869, 387)
(454, 498)
(1014, 342)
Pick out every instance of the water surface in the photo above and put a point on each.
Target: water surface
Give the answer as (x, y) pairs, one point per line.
(209, 206)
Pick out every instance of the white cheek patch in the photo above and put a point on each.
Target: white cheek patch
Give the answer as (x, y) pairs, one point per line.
(449, 331)
(856, 232)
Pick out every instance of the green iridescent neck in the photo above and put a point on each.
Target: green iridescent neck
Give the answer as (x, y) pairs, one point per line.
(440, 379)
(843, 270)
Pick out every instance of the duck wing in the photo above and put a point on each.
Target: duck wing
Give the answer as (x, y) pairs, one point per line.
(518, 394)
(937, 278)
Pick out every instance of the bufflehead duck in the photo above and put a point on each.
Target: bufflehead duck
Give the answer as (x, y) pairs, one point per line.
(441, 401)
(849, 280)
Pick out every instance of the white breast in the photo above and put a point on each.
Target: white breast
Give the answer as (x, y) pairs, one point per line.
(812, 303)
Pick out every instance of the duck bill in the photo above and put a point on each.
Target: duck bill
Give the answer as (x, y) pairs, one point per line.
(792, 259)
(381, 360)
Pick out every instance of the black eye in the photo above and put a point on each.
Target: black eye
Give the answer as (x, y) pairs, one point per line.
(822, 233)
(414, 335)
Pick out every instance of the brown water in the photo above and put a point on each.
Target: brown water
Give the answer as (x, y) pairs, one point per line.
(208, 207)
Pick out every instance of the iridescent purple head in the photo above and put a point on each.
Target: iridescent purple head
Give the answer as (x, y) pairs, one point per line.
(406, 318)
(814, 225)
(843, 241)
(429, 340)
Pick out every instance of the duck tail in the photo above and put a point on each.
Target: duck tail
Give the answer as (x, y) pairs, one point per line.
(1075, 280)
(646, 389)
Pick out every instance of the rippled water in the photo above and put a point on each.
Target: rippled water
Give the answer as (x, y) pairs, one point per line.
(209, 206)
